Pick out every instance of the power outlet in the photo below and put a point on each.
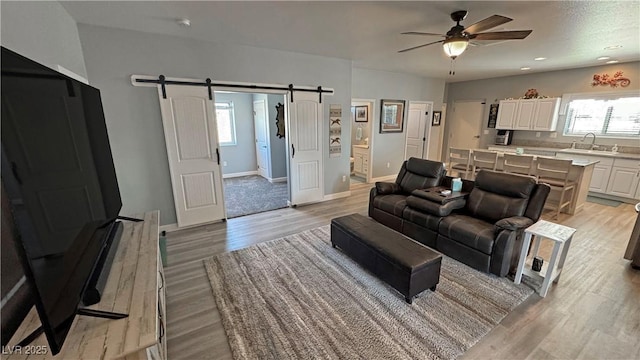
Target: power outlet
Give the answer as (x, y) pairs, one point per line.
(486, 132)
(553, 135)
(224, 163)
(538, 134)
(388, 165)
(344, 178)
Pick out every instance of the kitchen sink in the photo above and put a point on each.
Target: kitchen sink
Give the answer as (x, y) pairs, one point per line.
(589, 152)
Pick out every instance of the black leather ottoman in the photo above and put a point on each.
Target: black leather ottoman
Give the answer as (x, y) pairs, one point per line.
(407, 265)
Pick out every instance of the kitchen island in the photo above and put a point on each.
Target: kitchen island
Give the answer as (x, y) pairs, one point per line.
(581, 172)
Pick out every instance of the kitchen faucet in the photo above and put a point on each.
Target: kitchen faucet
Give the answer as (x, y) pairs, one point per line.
(593, 143)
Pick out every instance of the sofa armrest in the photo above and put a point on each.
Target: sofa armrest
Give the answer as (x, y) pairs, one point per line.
(435, 208)
(385, 188)
(514, 223)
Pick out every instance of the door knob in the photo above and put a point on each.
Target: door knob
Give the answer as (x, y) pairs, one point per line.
(477, 137)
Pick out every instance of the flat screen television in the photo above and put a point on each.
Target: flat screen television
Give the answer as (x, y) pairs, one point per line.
(59, 177)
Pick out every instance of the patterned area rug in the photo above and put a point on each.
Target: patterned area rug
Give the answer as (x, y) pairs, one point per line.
(297, 297)
(253, 194)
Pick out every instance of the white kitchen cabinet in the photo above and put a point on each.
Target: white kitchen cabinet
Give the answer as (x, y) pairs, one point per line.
(546, 116)
(528, 114)
(361, 161)
(506, 114)
(624, 179)
(525, 114)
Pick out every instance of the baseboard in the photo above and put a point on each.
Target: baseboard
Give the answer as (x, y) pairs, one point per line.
(275, 180)
(612, 197)
(174, 227)
(384, 178)
(244, 173)
(169, 227)
(337, 195)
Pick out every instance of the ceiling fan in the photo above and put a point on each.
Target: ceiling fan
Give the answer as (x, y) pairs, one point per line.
(457, 38)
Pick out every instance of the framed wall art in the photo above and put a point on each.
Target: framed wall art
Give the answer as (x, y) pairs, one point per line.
(362, 113)
(391, 115)
(437, 116)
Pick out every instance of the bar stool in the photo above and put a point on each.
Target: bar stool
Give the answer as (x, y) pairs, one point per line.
(484, 160)
(460, 162)
(555, 173)
(518, 164)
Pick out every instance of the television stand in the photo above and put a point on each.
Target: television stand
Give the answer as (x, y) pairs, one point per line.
(135, 286)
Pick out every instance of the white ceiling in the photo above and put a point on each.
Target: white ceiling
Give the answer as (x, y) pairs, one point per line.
(569, 34)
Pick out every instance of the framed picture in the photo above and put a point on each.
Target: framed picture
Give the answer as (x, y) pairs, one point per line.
(436, 118)
(391, 115)
(362, 113)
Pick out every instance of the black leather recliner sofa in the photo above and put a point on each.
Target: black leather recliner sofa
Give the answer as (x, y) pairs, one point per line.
(484, 231)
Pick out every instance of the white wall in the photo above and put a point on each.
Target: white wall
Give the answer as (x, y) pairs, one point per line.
(374, 84)
(553, 84)
(133, 113)
(240, 157)
(44, 32)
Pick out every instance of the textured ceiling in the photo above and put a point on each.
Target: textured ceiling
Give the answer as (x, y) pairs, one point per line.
(569, 34)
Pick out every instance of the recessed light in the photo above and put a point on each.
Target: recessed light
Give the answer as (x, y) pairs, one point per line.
(613, 47)
(184, 22)
(525, 68)
(603, 58)
(612, 61)
(540, 58)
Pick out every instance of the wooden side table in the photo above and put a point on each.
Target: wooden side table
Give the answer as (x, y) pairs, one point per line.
(561, 236)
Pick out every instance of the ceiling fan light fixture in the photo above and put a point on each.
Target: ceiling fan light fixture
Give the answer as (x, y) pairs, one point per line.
(455, 46)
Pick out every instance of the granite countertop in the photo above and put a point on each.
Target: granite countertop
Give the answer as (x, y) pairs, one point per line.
(609, 154)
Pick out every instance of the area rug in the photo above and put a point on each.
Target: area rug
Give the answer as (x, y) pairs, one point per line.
(252, 194)
(297, 297)
(601, 201)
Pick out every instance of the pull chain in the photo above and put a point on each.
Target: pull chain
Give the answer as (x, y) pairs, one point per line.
(452, 67)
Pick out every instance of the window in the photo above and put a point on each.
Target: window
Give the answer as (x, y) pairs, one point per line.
(226, 123)
(608, 115)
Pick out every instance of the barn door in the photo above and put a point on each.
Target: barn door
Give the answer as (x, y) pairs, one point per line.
(305, 148)
(191, 135)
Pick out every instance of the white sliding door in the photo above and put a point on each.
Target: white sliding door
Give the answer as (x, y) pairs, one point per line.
(188, 117)
(305, 148)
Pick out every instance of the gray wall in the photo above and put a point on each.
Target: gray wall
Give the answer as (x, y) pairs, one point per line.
(553, 84)
(278, 145)
(374, 84)
(42, 31)
(240, 157)
(133, 113)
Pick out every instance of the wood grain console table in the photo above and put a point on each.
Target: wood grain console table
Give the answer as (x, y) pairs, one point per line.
(136, 287)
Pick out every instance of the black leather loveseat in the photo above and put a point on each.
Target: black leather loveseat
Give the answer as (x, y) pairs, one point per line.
(483, 231)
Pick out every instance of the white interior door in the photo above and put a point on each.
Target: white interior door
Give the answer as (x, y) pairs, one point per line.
(262, 138)
(191, 135)
(417, 130)
(466, 124)
(305, 148)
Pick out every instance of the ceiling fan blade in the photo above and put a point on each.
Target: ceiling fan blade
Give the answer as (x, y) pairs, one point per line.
(420, 46)
(420, 33)
(502, 35)
(486, 24)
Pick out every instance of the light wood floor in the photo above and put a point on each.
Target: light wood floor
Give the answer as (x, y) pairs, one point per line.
(593, 312)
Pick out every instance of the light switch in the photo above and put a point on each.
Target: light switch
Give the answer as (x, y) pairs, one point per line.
(486, 132)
